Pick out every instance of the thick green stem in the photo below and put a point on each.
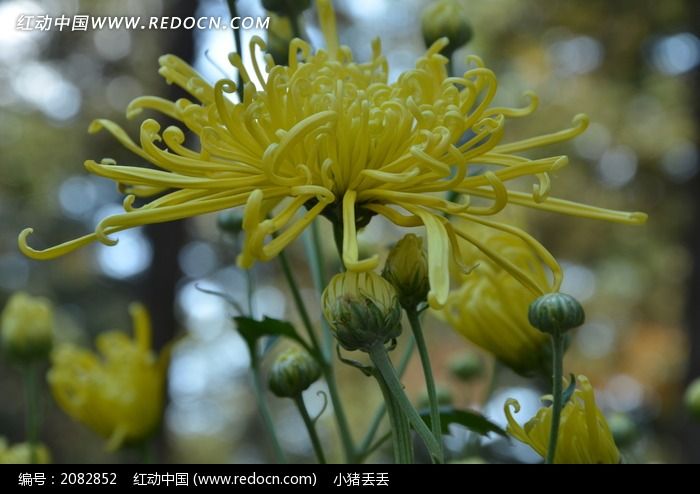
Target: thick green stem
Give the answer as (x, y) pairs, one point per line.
(31, 391)
(264, 408)
(381, 361)
(366, 445)
(557, 390)
(435, 422)
(311, 427)
(400, 428)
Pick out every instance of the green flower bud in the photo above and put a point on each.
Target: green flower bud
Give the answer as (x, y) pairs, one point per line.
(692, 398)
(362, 310)
(446, 18)
(443, 395)
(27, 327)
(554, 313)
(406, 269)
(21, 453)
(286, 7)
(279, 35)
(230, 222)
(623, 428)
(467, 366)
(293, 372)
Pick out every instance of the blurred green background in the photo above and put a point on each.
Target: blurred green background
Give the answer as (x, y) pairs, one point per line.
(632, 66)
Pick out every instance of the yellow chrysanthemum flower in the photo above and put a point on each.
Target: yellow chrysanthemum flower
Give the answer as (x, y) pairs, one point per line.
(490, 307)
(21, 453)
(119, 394)
(584, 435)
(335, 138)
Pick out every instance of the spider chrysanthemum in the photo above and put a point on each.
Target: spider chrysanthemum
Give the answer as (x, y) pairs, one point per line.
(333, 137)
(585, 436)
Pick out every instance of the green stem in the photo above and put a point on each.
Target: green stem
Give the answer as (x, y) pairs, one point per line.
(340, 417)
(493, 380)
(450, 64)
(374, 447)
(557, 378)
(381, 361)
(327, 362)
(294, 22)
(146, 452)
(365, 446)
(400, 428)
(338, 237)
(32, 410)
(264, 408)
(318, 273)
(316, 255)
(298, 300)
(311, 427)
(233, 9)
(318, 267)
(435, 422)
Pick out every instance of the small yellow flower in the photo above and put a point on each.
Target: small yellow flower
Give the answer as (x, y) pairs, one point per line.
(27, 327)
(584, 435)
(21, 453)
(119, 394)
(329, 136)
(490, 307)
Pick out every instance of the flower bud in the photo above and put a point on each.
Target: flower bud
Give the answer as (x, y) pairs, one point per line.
(27, 327)
(446, 18)
(555, 313)
(406, 269)
(21, 453)
(286, 7)
(230, 222)
(467, 366)
(279, 35)
(293, 372)
(692, 398)
(362, 310)
(623, 429)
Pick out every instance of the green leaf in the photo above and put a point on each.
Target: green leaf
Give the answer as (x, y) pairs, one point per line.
(569, 391)
(251, 330)
(269, 344)
(473, 421)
